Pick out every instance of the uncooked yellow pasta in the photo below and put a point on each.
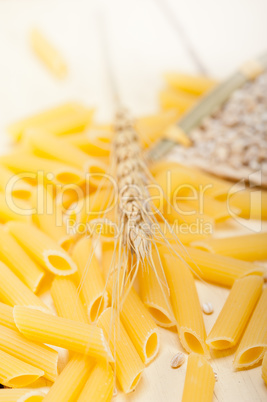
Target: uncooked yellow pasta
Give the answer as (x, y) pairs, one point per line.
(98, 173)
(6, 316)
(43, 249)
(155, 294)
(252, 203)
(188, 217)
(67, 299)
(199, 380)
(92, 142)
(264, 368)
(33, 169)
(48, 146)
(17, 129)
(73, 335)
(100, 385)
(218, 268)
(71, 380)
(21, 189)
(35, 354)
(13, 255)
(14, 292)
(12, 209)
(185, 303)
(138, 323)
(21, 395)
(129, 366)
(249, 247)
(176, 99)
(178, 233)
(194, 84)
(254, 341)
(90, 278)
(235, 313)
(16, 373)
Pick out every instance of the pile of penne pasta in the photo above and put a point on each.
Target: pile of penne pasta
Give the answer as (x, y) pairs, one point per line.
(43, 189)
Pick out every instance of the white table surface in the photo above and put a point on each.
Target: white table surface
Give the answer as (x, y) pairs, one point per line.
(146, 38)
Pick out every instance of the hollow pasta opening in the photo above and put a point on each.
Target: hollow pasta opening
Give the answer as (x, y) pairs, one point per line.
(68, 178)
(160, 317)
(193, 343)
(135, 382)
(22, 194)
(152, 345)
(251, 355)
(221, 344)
(21, 381)
(97, 308)
(32, 398)
(59, 264)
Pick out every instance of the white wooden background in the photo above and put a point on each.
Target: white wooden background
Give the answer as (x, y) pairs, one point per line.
(146, 38)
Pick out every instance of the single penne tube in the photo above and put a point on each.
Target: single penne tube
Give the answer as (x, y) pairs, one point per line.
(49, 216)
(6, 316)
(249, 247)
(48, 146)
(264, 368)
(71, 380)
(12, 209)
(185, 303)
(155, 294)
(252, 204)
(129, 366)
(35, 354)
(254, 341)
(91, 281)
(199, 380)
(16, 373)
(43, 249)
(21, 395)
(17, 129)
(21, 189)
(33, 169)
(14, 292)
(217, 268)
(73, 335)
(100, 385)
(138, 323)
(176, 99)
(235, 314)
(48, 54)
(14, 256)
(67, 299)
(194, 84)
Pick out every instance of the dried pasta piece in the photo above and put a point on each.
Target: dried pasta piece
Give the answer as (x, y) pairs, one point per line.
(21, 395)
(251, 203)
(19, 187)
(194, 84)
(176, 99)
(185, 303)
(43, 249)
(254, 341)
(6, 316)
(16, 373)
(129, 366)
(199, 380)
(73, 335)
(100, 385)
(235, 313)
(12, 209)
(35, 354)
(14, 256)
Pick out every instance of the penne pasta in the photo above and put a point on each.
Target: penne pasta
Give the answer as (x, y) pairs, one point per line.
(186, 217)
(73, 335)
(129, 366)
(235, 313)
(71, 380)
(14, 292)
(67, 300)
(12, 209)
(21, 395)
(100, 385)
(254, 341)
(185, 303)
(35, 169)
(13, 255)
(217, 268)
(176, 233)
(93, 142)
(249, 247)
(205, 206)
(21, 189)
(252, 203)
(155, 294)
(199, 380)
(6, 316)
(16, 373)
(176, 99)
(92, 284)
(264, 368)
(196, 85)
(43, 249)
(35, 354)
